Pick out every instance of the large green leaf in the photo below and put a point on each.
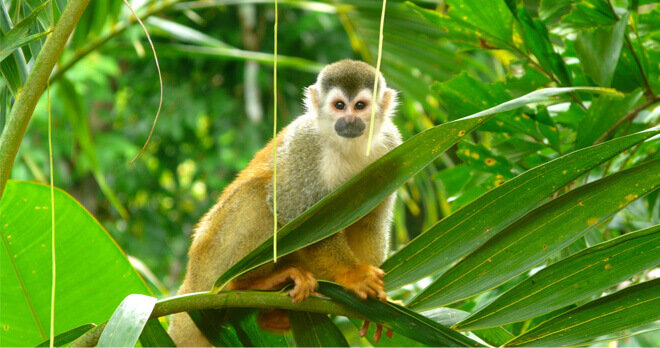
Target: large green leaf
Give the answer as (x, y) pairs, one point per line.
(628, 308)
(571, 280)
(83, 293)
(539, 234)
(126, 324)
(358, 196)
(315, 330)
(461, 233)
(400, 319)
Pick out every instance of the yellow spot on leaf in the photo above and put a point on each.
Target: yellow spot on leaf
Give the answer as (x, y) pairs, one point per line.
(490, 162)
(608, 266)
(592, 221)
(475, 155)
(630, 197)
(461, 133)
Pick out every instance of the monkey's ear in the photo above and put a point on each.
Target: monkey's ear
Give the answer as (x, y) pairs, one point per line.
(311, 98)
(388, 102)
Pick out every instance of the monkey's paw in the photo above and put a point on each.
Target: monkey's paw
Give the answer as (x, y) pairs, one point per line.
(305, 283)
(364, 280)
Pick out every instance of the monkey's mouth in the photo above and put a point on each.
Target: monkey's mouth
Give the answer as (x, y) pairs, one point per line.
(349, 129)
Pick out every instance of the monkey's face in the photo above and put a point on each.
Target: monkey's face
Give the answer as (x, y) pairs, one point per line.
(349, 116)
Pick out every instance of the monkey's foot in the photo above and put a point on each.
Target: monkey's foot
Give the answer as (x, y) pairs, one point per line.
(305, 283)
(378, 333)
(364, 280)
(274, 321)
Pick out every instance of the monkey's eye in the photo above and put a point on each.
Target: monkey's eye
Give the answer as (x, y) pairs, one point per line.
(360, 105)
(340, 105)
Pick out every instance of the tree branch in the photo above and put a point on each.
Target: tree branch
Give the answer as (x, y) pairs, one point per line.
(21, 112)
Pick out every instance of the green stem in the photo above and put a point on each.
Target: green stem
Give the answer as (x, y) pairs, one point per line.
(21, 112)
(239, 299)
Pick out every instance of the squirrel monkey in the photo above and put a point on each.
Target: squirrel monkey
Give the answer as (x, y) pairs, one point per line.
(316, 153)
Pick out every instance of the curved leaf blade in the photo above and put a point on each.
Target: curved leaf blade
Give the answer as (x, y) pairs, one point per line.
(460, 233)
(571, 280)
(539, 234)
(315, 330)
(397, 318)
(154, 335)
(68, 337)
(83, 247)
(634, 306)
(126, 324)
(358, 196)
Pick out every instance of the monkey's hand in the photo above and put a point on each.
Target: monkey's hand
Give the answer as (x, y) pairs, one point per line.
(364, 280)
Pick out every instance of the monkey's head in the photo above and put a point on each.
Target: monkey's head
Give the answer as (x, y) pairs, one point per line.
(342, 98)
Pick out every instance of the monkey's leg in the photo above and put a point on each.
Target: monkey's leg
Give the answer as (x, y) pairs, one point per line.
(333, 259)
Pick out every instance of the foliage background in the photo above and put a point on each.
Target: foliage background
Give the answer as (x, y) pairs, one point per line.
(208, 131)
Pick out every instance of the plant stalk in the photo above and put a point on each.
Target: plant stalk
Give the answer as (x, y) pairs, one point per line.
(21, 112)
(238, 299)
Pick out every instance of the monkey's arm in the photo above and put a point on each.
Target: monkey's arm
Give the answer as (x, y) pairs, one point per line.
(333, 259)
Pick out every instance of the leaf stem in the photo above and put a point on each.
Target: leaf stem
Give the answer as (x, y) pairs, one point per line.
(21, 112)
(239, 299)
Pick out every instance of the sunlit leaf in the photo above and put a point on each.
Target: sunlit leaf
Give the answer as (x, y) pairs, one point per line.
(539, 234)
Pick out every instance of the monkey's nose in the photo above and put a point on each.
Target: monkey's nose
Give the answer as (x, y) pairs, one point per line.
(350, 119)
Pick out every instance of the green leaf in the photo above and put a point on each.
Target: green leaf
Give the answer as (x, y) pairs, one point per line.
(633, 306)
(603, 113)
(83, 248)
(460, 233)
(496, 336)
(598, 50)
(185, 34)
(315, 330)
(244, 321)
(589, 14)
(395, 341)
(154, 335)
(537, 40)
(215, 325)
(68, 337)
(397, 318)
(539, 234)
(125, 325)
(358, 196)
(480, 23)
(571, 280)
(14, 69)
(479, 157)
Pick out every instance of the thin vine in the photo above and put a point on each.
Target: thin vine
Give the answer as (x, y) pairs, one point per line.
(376, 80)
